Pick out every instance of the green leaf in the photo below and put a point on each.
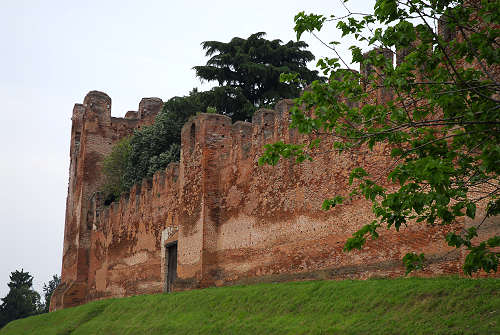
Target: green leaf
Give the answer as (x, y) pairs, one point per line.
(471, 210)
(330, 203)
(357, 173)
(413, 262)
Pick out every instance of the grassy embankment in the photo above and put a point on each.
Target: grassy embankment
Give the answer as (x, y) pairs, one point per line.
(400, 306)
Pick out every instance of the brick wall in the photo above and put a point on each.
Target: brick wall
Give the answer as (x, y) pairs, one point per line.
(233, 221)
(93, 134)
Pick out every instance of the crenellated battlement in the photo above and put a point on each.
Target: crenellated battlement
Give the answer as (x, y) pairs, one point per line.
(193, 192)
(149, 107)
(218, 133)
(93, 133)
(97, 106)
(216, 217)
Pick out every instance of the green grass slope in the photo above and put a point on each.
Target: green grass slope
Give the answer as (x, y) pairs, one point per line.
(399, 306)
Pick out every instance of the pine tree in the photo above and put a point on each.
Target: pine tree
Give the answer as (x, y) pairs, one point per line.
(251, 68)
(48, 289)
(21, 301)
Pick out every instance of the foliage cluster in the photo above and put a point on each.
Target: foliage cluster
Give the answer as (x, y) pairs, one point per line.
(48, 289)
(114, 167)
(443, 123)
(22, 301)
(250, 69)
(400, 306)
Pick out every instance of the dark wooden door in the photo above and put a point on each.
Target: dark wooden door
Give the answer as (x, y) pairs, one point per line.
(172, 266)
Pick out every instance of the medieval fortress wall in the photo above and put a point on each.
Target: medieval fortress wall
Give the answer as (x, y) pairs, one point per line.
(231, 220)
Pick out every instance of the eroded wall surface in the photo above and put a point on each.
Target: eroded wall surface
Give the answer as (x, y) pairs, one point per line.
(233, 220)
(125, 257)
(265, 223)
(93, 134)
(238, 222)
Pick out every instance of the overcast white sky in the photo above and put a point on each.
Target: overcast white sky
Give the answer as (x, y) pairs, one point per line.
(54, 52)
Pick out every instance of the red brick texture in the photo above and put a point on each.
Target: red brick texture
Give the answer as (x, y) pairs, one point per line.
(234, 221)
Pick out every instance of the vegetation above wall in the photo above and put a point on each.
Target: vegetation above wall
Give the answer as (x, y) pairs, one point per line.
(401, 306)
(251, 68)
(248, 73)
(442, 119)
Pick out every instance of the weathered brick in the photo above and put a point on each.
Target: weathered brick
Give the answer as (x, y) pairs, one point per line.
(234, 221)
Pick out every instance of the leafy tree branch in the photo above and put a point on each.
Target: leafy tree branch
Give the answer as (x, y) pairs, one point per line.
(436, 110)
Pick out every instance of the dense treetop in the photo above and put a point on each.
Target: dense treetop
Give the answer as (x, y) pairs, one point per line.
(254, 65)
(21, 301)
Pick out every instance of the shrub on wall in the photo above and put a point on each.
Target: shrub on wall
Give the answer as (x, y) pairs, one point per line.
(113, 169)
(149, 149)
(154, 147)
